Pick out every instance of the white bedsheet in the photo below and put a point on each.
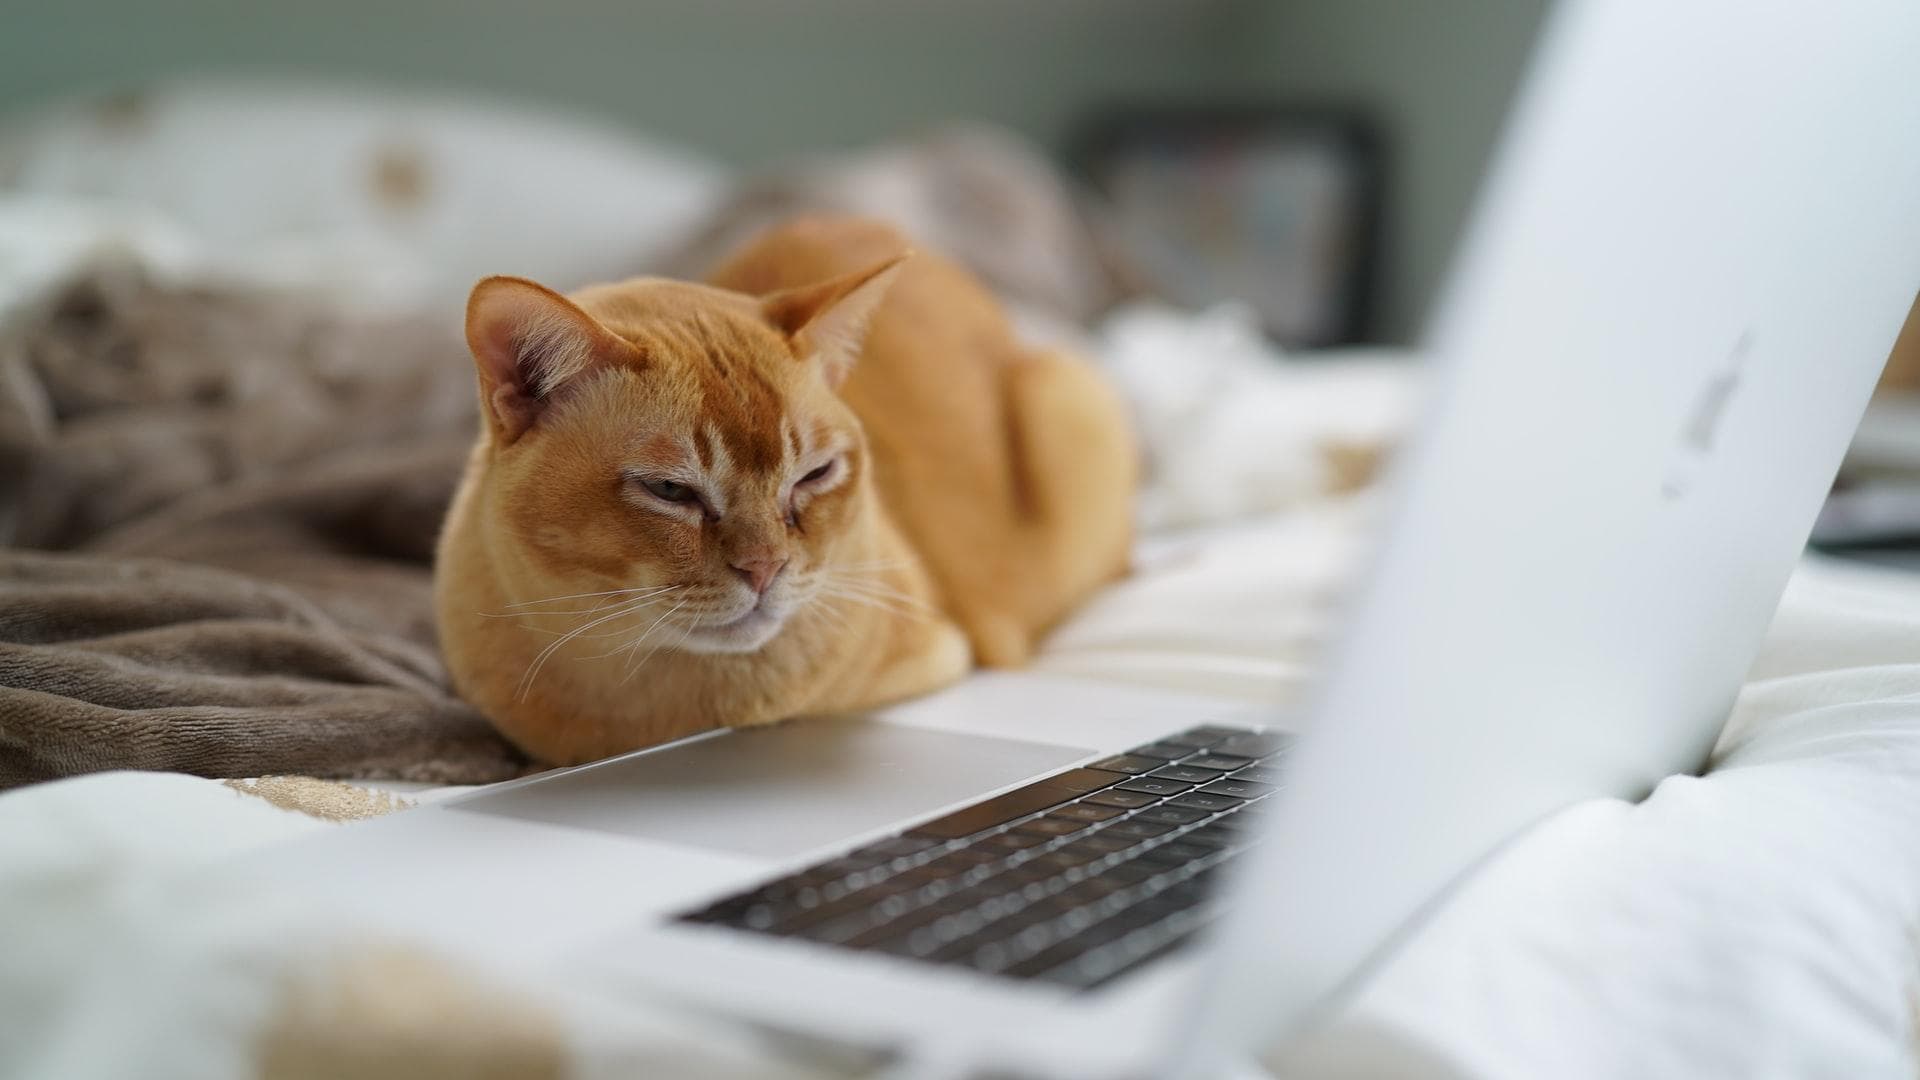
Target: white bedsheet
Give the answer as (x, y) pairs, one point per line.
(1757, 921)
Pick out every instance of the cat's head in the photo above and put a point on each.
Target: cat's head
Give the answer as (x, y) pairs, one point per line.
(678, 451)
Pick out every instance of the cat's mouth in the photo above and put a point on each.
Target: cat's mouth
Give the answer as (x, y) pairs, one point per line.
(756, 615)
(743, 633)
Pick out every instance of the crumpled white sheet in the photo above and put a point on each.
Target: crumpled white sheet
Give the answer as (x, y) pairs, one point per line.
(1238, 609)
(1232, 425)
(1756, 921)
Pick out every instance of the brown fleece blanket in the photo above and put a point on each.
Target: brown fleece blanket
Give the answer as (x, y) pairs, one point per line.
(220, 508)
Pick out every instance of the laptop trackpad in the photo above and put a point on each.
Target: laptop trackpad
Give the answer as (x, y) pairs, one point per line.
(778, 791)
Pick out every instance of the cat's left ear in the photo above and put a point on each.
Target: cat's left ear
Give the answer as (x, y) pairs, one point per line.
(528, 342)
(829, 319)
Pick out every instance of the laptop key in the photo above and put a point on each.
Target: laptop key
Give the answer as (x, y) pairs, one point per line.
(1018, 878)
(1089, 848)
(1255, 744)
(1177, 853)
(1133, 873)
(1232, 820)
(1170, 815)
(852, 924)
(1060, 955)
(1158, 860)
(873, 935)
(1105, 842)
(1055, 863)
(1010, 841)
(1041, 910)
(1185, 774)
(1213, 759)
(1163, 751)
(1133, 951)
(1134, 828)
(1156, 785)
(1239, 789)
(1084, 811)
(1201, 737)
(1050, 826)
(1131, 764)
(1210, 840)
(965, 857)
(1263, 774)
(1197, 800)
(796, 921)
(847, 864)
(1125, 800)
(897, 846)
(920, 875)
(1017, 803)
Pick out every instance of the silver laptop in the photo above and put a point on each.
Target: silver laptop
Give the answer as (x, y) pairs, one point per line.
(1698, 242)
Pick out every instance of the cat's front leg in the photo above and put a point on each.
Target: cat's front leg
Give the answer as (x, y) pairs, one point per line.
(925, 655)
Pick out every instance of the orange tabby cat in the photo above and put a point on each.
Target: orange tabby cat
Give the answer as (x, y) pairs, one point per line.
(827, 480)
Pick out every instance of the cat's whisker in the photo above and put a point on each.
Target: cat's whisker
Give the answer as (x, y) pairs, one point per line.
(833, 616)
(684, 635)
(635, 665)
(595, 610)
(633, 640)
(621, 632)
(881, 603)
(539, 661)
(865, 574)
(871, 587)
(649, 589)
(632, 648)
(628, 605)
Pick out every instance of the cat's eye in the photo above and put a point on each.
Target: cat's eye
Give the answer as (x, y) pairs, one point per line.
(819, 474)
(670, 491)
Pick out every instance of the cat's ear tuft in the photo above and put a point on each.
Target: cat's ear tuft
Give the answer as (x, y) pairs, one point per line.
(829, 319)
(527, 341)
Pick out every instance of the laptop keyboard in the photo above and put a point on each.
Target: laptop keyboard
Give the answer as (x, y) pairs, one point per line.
(1074, 879)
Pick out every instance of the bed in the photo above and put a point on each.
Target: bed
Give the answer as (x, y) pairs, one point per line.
(1758, 920)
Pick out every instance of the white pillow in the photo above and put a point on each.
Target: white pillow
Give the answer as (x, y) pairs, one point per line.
(390, 196)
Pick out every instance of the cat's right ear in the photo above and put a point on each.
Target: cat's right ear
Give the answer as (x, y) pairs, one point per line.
(828, 320)
(528, 341)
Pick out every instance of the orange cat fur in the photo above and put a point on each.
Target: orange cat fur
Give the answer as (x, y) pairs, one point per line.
(827, 480)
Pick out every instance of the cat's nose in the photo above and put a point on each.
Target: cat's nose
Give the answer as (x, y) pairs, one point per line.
(760, 570)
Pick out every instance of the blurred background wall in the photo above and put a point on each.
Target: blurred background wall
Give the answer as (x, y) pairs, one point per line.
(755, 81)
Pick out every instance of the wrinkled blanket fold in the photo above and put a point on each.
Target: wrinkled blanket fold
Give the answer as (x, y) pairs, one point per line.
(235, 499)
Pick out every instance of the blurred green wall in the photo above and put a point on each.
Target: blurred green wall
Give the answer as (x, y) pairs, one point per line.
(749, 80)
(1438, 74)
(754, 80)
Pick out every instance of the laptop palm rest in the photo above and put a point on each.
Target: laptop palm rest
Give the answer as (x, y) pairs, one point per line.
(777, 791)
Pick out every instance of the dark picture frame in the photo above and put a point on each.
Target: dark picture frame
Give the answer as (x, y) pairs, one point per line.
(1275, 207)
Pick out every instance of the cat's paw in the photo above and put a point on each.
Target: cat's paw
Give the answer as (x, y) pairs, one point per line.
(1000, 641)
